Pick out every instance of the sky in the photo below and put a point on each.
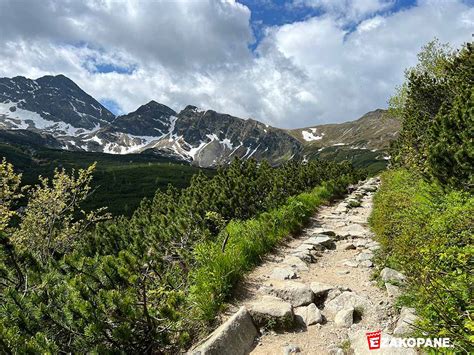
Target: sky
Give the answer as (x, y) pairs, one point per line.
(293, 63)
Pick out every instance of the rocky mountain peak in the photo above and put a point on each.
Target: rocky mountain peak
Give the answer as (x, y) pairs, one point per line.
(154, 107)
(62, 115)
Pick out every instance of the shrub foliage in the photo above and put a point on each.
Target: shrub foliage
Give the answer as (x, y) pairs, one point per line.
(423, 213)
(428, 234)
(148, 283)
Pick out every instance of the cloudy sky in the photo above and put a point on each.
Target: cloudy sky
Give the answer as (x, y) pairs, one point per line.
(291, 63)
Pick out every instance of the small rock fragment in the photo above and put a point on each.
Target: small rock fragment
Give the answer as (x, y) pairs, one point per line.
(291, 349)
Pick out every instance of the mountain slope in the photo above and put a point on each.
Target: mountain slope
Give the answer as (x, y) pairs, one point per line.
(371, 131)
(53, 110)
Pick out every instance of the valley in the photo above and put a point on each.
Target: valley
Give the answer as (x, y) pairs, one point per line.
(120, 181)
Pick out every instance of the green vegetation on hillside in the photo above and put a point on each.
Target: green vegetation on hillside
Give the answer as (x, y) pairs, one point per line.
(428, 234)
(152, 282)
(120, 182)
(423, 213)
(374, 162)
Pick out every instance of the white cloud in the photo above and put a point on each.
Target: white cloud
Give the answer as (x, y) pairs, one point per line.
(348, 10)
(196, 52)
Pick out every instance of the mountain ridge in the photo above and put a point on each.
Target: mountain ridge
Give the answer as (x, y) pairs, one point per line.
(74, 120)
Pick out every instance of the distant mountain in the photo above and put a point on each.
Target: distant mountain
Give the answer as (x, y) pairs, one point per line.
(53, 111)
(372, 131)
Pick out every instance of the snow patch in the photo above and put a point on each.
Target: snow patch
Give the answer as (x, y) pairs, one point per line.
(310, 135)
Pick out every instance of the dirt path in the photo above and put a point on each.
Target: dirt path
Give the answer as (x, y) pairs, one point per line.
(343, 263)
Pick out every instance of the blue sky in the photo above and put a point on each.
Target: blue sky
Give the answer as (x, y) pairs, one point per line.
(293, 63)
(267, 13)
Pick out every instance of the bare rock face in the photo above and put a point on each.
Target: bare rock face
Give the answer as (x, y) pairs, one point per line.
(308, 315)
(391, 275)
(272, 312)
(297, 293)
(234, 337)
(344, 318)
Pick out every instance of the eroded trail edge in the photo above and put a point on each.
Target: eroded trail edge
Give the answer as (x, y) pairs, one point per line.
(316, 295)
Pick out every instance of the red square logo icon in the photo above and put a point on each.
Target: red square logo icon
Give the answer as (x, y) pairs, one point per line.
(373, 339)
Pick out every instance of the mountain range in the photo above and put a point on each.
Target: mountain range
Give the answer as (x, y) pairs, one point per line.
(54, 112)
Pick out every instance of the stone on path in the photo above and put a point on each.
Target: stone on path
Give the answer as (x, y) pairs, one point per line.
(291, 349)
(364, 256)
(407, 318)
(304, 247)
(320, 240)
(391, 275)
(344, 318)
(295, 263)
(320, 289)
(346, 246)
(366, 263)
(308, 315)
(234, 337)
(324, 231)
(392, 290)
(297, 293)
(353, 230)
(271, 310)
(346, 299)
(351, 263)
(342, 272)
(279, 273)
(304, 256)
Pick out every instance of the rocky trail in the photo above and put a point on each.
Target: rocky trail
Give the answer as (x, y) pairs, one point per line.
(316, 294)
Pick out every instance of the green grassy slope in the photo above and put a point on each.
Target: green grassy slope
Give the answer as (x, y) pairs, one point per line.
(120, 181)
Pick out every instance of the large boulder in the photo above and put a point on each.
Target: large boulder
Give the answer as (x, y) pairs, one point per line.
(308, 315)
(297, 293)
(273, 312)
(234, 337)
(346, 299)
(391, 275)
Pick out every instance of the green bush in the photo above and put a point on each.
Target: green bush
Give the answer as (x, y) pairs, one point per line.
(427, 232)
(219, 270)
(127, 284)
